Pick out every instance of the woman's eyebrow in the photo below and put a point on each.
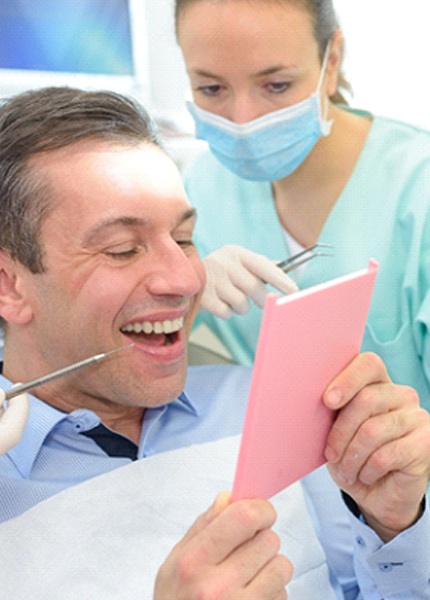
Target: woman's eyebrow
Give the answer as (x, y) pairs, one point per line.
(207, 74)
(262, 73)
(275, 69)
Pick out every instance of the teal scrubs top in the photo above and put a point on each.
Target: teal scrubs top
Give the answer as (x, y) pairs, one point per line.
(382, 213)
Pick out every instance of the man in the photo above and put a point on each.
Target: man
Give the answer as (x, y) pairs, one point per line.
(97, 253)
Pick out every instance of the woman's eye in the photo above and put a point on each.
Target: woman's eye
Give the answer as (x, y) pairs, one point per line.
(209, 90)
(278, 87)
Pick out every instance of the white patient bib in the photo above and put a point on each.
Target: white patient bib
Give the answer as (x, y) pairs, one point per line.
(106, 538)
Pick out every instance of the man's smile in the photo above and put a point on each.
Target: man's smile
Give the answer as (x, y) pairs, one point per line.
(157, 333)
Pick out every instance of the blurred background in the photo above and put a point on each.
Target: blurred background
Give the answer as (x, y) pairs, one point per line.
(129, 46)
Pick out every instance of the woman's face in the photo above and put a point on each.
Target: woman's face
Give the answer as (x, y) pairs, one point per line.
(247, 59)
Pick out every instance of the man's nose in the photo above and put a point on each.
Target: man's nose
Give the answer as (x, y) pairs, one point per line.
(174, 273)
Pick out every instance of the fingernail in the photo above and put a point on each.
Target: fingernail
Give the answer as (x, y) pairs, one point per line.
(330, 454)
(220, 503)
(333, 398)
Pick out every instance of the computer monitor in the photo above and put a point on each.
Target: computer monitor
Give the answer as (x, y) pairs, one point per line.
(91, 44)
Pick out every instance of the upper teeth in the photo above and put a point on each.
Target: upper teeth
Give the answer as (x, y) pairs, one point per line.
(155, 326)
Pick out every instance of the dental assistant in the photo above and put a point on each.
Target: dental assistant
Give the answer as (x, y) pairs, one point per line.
(290, 164)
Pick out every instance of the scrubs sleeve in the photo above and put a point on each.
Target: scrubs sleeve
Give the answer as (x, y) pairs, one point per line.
(421, 325)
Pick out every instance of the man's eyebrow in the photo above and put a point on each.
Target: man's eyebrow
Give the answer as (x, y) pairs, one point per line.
(128, 221)
(191, 213)
(105, 225)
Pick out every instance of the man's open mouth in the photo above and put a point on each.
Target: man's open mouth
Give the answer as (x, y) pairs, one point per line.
(155, 333)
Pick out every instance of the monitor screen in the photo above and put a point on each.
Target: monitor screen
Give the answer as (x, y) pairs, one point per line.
(89, 43)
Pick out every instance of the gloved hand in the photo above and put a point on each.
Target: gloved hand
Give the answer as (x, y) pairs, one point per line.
(12, 420)
(235, 275)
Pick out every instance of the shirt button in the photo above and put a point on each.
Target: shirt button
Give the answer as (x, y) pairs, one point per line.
(360, 542)
(386, 567)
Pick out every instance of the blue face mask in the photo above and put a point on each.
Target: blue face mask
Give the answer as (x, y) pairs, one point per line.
(270, 147)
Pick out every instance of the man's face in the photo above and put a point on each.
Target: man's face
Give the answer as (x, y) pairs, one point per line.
(120, 268)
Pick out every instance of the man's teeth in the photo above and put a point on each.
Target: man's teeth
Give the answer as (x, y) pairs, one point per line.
(155, 326)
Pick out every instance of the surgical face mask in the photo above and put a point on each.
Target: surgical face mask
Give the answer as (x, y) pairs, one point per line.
(270, 147)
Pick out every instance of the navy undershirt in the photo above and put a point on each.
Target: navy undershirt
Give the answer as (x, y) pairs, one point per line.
(112, 443)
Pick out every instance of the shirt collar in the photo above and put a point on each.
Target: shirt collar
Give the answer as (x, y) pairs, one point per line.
(44, 418)
(184, 401)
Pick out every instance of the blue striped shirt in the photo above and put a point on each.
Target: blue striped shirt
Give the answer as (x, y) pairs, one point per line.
(53, 454)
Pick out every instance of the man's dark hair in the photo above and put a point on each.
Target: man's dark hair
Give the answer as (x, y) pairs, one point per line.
(41, 121)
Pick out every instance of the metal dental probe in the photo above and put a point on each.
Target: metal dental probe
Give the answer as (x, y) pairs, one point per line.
(318, 249)
(20, 388)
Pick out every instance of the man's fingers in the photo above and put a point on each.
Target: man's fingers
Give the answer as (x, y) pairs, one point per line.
(366, 369)
(407, 454)
(253, 556)
(220, 503)
(375, 415)
(270, 583)
(234, 526)
(225, 549)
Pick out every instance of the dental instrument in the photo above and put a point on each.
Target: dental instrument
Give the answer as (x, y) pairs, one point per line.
(20, 388)
(303, 256)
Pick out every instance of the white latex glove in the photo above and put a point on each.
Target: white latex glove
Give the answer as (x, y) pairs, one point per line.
(235, 275)
(12, 420)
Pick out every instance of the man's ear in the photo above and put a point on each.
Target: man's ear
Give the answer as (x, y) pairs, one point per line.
(14, 304)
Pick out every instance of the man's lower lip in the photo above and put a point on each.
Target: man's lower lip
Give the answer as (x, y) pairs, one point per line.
(165, 353)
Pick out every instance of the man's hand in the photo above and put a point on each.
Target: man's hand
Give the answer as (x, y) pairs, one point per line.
(230, 552)
(235, 275)
(379, 447)
(12, 420)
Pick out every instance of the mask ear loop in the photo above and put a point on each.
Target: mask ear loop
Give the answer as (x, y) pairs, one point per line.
(326, 125)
